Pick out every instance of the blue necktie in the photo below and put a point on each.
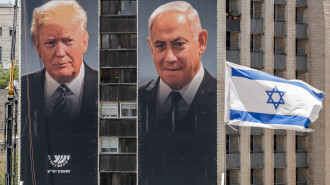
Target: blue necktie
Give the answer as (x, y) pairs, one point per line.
(61, 108)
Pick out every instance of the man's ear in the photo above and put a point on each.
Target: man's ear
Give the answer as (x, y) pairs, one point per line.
(150, 45)
(85, 42)
(36, 45)
(202, 40)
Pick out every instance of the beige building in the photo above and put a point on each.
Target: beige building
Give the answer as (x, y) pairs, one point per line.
(291, 39)
(6, 30)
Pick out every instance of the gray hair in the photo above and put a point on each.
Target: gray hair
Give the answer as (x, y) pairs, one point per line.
(180, 6)
(45, 12)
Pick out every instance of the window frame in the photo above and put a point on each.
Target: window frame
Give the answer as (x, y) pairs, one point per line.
(110, 138)
(128, 103)
(109, 105)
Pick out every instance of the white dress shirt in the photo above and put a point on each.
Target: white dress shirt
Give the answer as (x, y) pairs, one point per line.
(187, 92)
(73, 97)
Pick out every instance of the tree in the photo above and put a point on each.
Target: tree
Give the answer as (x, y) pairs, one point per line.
(4, 78)
(3, 174)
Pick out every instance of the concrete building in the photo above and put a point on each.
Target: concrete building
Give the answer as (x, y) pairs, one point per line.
(290, 39)
(6, 30)
(118, 92)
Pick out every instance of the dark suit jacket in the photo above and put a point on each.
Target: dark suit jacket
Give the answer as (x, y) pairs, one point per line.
(185, 155)
(77, 138)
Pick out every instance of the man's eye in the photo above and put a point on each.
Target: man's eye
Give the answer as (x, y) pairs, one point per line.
(68, 41)
(50, 44)
(160, 46)
(179, 44)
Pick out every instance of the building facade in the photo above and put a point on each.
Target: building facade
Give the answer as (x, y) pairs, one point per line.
(287, 38)
(118, 92)
(6, 31)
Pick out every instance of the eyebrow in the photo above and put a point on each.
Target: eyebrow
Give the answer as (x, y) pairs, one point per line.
(175, 40)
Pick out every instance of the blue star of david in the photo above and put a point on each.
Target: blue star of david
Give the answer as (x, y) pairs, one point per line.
(270, 99)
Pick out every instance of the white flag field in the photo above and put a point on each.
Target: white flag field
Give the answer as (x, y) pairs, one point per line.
(258, 99)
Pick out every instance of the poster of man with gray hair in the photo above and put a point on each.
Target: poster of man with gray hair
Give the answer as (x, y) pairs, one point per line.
(177, 93)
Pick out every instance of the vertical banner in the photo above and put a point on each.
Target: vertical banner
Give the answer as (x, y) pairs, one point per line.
(59, 92)
(177, 92)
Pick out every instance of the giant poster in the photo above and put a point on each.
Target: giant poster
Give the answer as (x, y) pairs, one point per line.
(177, 132)
(59, 92)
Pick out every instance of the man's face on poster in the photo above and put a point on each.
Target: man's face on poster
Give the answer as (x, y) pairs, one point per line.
(175, 52)
(61, 45)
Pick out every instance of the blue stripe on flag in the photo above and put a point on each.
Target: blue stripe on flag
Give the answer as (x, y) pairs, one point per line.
(269, 118)
(259, 75)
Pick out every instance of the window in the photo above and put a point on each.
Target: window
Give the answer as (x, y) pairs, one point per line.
(10, 31)
(109, 110)
(0, 31)
(109, 145)
(128, 110)
(117, 75)
(0, 54)
(121, 7)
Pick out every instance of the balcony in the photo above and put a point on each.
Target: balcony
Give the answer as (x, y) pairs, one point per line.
(256, 131)
(257, 59)
(118, 92)
(301, 183)
(301, 3)
(233, 55)
(230, 131)
(280, 61)
(301, 159)
(279, 28)
(279, 132)
(233, 160)
(257, 26)
(118, 163)
(301, 133)
(280, 2)
(301, 63)
(279, 160)
(233, 25)
(301, 31)
(257, 160)
(118, 127)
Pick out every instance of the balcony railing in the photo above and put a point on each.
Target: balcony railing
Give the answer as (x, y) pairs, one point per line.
(256, 130)
(301, 63)
(301, 183)
(233, 25)
(124, 163)
(302, 160)
(257, 26)
(280, 61)
(301, 31)
(279, 160)
(233, 55)
(280, 2)
(232, 161)
(257, 59)
(279, 28)
(257, 160)
(279, 132)
(231, 131)
(301, 3)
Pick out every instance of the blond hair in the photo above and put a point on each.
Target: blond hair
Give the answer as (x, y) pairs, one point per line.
(54, 9)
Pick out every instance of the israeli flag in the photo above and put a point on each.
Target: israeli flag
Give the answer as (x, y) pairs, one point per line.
(258, 99)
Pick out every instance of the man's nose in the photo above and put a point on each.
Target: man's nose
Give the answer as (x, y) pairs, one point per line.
(60, 50)
(170, 56)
